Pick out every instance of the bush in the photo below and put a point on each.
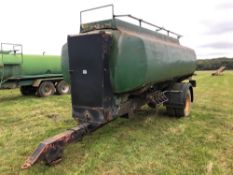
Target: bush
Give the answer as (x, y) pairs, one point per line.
(213, 64)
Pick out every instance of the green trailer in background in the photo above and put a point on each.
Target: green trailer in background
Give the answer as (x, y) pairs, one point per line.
(34, 74)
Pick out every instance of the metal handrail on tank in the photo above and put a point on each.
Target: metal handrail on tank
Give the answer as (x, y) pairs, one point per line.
(158, 28)
(96, 8)
(14, 49)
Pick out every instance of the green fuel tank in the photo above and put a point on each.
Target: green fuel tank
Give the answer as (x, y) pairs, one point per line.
(17, 66)
(36, 65)
(138, 57)
(114, 68)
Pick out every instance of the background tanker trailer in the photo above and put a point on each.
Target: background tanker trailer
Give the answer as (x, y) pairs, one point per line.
(40, 75)
(114, 68)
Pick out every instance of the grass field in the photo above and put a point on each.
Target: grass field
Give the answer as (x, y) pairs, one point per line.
(150, 143)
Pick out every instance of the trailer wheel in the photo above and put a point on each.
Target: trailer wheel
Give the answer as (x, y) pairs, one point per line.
(183, 111)
(27, 90)
(46, 89)
(187, 106)
(62, 88)
(171, 111)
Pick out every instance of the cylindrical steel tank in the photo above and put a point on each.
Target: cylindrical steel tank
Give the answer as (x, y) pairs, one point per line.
(36, 65)
(138, 56)
(15, 66)
(65, 63)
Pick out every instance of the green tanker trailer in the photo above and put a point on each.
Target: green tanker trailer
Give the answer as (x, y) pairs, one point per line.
(114, 68)
(40, 75)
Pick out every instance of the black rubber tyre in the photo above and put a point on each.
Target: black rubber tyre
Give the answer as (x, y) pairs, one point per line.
(62, 88)
(46, 89)
(183, 111)
(170, 111)
(187, 107)
(27, 90)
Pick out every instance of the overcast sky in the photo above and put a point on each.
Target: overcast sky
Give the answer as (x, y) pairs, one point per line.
(43, 25)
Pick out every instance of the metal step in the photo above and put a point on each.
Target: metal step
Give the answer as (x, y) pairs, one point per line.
(157, 97)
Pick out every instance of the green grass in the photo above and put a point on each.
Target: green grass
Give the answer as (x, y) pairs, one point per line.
(150, 143)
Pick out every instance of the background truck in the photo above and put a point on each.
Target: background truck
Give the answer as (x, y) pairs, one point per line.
(33, 74)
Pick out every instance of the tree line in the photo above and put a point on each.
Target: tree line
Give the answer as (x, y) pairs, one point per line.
(215, 63)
